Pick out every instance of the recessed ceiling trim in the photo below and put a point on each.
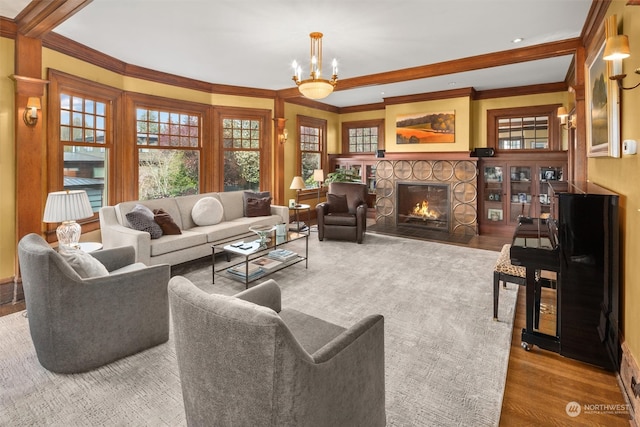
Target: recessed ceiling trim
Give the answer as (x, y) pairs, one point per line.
(508, 57)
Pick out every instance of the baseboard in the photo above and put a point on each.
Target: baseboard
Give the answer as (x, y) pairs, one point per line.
(628, 370)
(10, 291)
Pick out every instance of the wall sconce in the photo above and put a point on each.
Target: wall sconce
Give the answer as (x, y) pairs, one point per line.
(566, 120)
(283, 134)
(30, 115)
(617, 48)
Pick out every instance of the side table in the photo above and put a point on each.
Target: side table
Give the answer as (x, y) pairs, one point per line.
(90, 246)
(297, 209)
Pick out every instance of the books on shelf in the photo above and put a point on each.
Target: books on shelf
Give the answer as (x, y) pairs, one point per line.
(283, 255)
(266, 262)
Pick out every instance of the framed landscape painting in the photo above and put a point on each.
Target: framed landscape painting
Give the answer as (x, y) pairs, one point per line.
(426, 128)
(603, 109)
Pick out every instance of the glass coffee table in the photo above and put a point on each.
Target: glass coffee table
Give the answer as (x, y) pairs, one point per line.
(257, 258)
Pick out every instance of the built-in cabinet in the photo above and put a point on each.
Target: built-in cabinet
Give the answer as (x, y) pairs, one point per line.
(509, 188)
(365, 165)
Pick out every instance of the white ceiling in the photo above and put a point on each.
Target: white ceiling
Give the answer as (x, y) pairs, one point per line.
(252, 43)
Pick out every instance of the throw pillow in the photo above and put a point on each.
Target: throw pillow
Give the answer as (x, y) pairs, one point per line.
(337, 203)
(252, 195)
(258, 207)
(84, 264)
(141, 218)
(207, 211)
(166, 223)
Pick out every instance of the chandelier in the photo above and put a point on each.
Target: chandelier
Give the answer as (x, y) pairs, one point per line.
(315, 87)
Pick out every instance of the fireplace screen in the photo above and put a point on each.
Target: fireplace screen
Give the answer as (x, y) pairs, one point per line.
(423, 205)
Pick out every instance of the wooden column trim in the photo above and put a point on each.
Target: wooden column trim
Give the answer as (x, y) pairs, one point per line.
(278, 153)
(578, 144)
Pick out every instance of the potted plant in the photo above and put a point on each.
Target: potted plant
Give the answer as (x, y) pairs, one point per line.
(343, 175)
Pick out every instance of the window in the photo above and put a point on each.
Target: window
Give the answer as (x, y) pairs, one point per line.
(169, 145)
(85, 140)
(241, 146)
(312, 147)
(523, 129)
(362, 136)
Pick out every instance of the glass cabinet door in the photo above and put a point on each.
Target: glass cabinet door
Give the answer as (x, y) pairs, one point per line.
(520, 192)
(371, 177)
(547, 174)
(493, 192)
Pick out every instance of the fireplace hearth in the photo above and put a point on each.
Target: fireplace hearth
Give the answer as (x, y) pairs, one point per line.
(423, 205)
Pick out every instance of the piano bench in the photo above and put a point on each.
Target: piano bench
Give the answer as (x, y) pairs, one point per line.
(505, 272)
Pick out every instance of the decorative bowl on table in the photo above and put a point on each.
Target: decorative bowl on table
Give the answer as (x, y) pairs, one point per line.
(263, 232)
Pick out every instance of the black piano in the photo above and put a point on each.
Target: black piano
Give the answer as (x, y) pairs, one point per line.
(580, 242)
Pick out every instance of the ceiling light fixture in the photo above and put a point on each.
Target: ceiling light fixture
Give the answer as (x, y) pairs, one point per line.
(517, 40)
(315, 87)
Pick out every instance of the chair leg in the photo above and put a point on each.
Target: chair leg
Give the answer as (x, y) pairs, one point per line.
(496, 293)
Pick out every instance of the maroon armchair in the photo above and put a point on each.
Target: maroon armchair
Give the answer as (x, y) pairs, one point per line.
(344, 215)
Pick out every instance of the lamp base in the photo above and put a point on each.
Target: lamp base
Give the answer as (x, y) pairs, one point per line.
(69, 234)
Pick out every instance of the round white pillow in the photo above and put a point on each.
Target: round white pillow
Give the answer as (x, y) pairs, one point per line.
(207, 211)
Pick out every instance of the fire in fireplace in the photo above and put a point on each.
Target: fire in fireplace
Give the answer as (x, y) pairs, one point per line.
(423, 205)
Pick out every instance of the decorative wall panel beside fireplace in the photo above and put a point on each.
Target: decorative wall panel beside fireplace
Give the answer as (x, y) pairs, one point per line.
(439, 195)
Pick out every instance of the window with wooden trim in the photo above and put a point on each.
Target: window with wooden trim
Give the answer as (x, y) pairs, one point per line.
(362, 136)
(169, 145)
(524, 129)
(241, 143)
(312, 137)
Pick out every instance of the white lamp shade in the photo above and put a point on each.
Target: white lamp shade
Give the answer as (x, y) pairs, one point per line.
(297, 183)
(67, 206)
(318, 175)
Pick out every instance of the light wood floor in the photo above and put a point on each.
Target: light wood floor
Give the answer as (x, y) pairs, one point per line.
(539, 383)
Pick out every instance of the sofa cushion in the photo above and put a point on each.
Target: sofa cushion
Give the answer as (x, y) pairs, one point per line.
(248, 195)
(167, 244)
(166, 223)
(207, 211)
(233, 203)
(83, 263)
(258, 207)
(141, 218)
(337, 203)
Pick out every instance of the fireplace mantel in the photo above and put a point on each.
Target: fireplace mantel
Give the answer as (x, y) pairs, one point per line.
(457, 170)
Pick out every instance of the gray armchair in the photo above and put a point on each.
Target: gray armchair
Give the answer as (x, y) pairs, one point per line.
(344, 214)
(245, 361)
(80, 324)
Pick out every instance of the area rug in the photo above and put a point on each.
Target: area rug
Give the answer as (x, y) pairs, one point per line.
(446, 358)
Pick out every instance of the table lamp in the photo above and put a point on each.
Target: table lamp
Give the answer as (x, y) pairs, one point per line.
(66, 207)
(297, 184)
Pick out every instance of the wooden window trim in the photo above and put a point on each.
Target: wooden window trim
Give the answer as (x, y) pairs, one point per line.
(555, 136)
(314, 123)
(129, 160)
(60, 82)
(266, 150)
(346, 126)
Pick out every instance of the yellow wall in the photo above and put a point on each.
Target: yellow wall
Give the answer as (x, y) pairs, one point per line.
(7, 160)
(462, 109)
(623, 176)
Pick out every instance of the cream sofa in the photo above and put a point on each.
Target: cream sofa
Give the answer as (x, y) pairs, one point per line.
(195, 241)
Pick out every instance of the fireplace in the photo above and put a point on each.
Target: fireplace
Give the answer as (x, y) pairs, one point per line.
(450, 186)
(422, 204)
